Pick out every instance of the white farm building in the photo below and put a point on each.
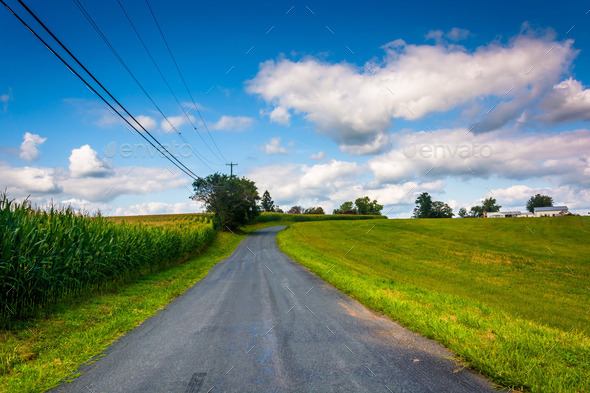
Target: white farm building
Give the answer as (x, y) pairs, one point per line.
(552, 211)
(508, 214)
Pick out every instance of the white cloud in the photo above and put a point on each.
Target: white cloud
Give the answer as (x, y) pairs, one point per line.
(280, 115)
(457, 34)
(25, 181)
(568, 101)
(329, 185)
(356, 107)
(149, 123)
(175, 122)
(229, 123)
(28, 148)
(273, 147)
(84, 162)
(320, 155)
(560, 157)
(4, 98)
(159, 208)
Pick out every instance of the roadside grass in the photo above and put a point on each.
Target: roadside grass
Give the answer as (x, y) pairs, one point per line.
(509, 296)
(37, 354)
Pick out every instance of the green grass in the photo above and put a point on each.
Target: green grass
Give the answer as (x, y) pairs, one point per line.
(511, 302)
(290, 218)
(38, 353)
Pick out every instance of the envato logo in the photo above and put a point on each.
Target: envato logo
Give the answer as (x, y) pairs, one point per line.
(464, 150)
(145, 150)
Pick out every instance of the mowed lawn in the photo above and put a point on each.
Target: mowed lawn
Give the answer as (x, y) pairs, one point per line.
(511, 297)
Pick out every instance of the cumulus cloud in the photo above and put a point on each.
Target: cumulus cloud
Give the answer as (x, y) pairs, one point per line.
(149, 123)
(159, 208)
(175, 122)
(330, 184)
(25, 181)
(28, 148)
(84, 162)
(229, 123)
(568, 101)
(319, 156)
(356, 107)
(562, 157)
(4, 98)
(273, 147)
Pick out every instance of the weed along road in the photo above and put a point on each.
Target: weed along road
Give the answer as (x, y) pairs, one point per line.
(261, 322)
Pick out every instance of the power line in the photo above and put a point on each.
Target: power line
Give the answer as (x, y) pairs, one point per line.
(165, 81)
(107, 42)
(183, 81)
(178, 164)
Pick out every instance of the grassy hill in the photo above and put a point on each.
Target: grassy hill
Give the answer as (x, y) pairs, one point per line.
(509, 296)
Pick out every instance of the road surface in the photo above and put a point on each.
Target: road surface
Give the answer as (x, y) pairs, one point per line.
(261, 322)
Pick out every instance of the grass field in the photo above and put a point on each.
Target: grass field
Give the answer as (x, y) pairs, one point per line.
(509, 296)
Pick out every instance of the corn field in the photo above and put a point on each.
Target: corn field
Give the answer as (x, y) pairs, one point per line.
(56, 253)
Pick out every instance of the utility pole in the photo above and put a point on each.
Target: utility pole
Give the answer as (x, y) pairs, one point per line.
(231, 165)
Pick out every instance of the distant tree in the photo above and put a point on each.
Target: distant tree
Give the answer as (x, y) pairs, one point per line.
(539, 200)
(267, 202)
(476, 211)
(345, 208)
(277, 209)
(489, 205)
(295, 210)
(423, 207)
(232, 200)
(441, 210)
(314, 210)
(462, 212)
(366, 207)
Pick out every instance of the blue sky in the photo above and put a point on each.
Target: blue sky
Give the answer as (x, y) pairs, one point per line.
(317, 102)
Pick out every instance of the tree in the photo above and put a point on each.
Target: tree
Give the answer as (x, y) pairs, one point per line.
(441, 210)
(231, 199)
(489, 205)
(476, 211)
(277, 209)
(314, 210)
(295, 210)
(423, 206)
(267, 202)
(366, 207)
(462, 212)
(345, 208)
(539, 200)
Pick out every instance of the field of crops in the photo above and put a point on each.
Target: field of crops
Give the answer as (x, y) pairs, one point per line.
(52, 254)
(510, 296)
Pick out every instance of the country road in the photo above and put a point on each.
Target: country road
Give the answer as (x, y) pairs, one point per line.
(260, 322)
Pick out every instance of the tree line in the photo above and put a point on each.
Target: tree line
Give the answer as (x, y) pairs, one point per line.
(427, 208)
(234, 202)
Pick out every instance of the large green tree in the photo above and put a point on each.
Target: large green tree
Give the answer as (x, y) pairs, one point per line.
(539, 200)
(267, 203)
(489, 205)
(423, 207)
(441, 210)
(345, 208)
(314, 210)
(366, 207)
(231, 199)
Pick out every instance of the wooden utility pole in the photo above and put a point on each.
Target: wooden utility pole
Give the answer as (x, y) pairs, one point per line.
(231, 165)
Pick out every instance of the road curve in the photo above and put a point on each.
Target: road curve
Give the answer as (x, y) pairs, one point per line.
(261, 322)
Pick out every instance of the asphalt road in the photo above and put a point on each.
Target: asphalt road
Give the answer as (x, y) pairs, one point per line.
(261, 322)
